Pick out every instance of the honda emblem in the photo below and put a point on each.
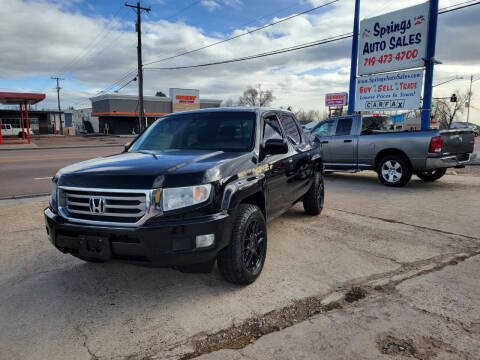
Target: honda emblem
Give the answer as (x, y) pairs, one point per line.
(97, 204)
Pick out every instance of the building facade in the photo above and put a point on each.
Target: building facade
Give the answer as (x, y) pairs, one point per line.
(118, 114)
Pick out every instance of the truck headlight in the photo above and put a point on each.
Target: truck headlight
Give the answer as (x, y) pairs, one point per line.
(176, 198)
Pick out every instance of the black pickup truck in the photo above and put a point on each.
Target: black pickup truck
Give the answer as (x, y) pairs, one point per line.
(194, 188)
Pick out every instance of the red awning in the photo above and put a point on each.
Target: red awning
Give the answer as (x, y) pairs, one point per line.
(20, 98)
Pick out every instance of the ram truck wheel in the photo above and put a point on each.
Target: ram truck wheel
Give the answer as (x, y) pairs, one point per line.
(241, 262)
(394, 170)
(431, 175)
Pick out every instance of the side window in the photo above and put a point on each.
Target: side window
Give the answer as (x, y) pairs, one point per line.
(324, 128)
(290, 128)
(271, 129)
(344, 127)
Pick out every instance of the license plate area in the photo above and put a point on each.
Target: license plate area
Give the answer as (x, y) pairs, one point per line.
(95, 247)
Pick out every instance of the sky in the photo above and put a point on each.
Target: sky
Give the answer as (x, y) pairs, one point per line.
(92, 44)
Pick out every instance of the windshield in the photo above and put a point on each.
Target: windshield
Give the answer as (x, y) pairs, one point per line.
(226, 131)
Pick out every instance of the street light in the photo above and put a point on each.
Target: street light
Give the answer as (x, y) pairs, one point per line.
(455, 78)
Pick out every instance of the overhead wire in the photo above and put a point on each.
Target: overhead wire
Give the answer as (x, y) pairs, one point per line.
(270, 53)
(231, 38)
(102, 35)
(289, 49)
(119, 82)
(242, 34)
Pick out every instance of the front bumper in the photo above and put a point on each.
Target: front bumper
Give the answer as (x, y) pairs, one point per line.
(161, 244)
(449, 161)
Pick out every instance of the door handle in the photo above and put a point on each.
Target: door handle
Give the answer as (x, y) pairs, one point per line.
(347, 140)
(324, 142)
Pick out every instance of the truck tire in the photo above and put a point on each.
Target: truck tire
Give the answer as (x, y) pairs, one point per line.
(88, 259)
(394, 170)
(241, 262)
(313, 200)
(431, 175)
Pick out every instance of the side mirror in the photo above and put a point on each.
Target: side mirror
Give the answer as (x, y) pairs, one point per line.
(126, 146)
(275, 146)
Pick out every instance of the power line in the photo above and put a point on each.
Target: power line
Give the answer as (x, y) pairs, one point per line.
(243, 34)
(118, 82)
(289, 49)
(256, 56)
(275, 52)
(120, 88)
(102, 35)
(270, 14)
(183, 9)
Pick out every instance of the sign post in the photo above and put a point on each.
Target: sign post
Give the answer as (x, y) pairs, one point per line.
(353, 64)
(429, 63)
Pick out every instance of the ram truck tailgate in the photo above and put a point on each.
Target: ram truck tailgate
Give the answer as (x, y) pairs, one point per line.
(456, 142)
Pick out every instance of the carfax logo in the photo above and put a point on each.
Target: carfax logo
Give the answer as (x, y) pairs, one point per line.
(385, 104)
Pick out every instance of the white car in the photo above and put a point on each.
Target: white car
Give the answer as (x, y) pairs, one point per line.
(12, 130)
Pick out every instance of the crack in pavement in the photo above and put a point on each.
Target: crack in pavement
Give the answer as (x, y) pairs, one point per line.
(203, 345)
(85, 345)
(393, 221)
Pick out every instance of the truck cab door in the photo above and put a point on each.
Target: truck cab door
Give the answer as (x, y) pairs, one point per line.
(343, 146)
(276, 167)
(299, 165)
(322, 135)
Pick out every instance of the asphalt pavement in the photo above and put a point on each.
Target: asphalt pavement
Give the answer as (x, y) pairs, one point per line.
(27, 172)
(414, 250)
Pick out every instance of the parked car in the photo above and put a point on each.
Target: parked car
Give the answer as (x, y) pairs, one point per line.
(356, 143)
(463, 125)
(13, 130)
(195, 187)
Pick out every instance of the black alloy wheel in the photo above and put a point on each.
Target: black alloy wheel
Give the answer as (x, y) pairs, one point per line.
(314, 198)
(253, 247)
(241, 262)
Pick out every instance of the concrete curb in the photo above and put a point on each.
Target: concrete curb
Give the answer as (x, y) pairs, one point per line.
(26, 199)
(26, 196)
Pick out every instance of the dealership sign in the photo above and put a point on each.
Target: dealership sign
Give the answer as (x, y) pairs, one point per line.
(393, 41)
(393, 91)
(336, 99)
(185, 99)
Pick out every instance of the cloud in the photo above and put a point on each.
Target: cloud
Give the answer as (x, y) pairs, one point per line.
(211, 5)
(38, 49)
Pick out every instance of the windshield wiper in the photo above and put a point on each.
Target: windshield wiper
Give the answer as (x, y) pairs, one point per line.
(147, 152)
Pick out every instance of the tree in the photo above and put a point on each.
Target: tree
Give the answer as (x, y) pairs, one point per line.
(310, 115)
(445, 111)
(228, 103)
(161, 94)
(255, 96)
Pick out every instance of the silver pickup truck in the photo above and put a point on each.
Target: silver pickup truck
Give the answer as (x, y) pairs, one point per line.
(356, 143)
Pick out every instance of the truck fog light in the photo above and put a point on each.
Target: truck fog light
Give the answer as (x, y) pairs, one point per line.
(204, 240)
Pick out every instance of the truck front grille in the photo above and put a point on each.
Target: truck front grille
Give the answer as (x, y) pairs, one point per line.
(118, 206)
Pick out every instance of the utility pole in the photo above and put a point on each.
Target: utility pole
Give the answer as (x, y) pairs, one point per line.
(139, 60)
(58, 99)
(469, 98)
